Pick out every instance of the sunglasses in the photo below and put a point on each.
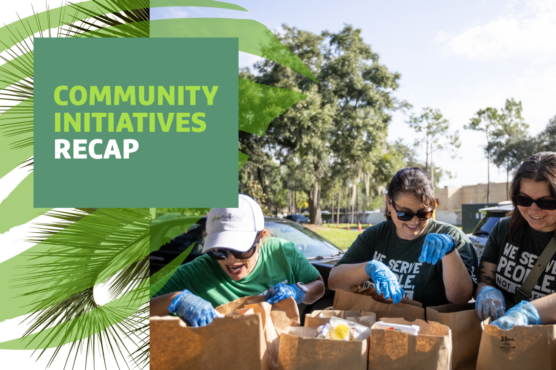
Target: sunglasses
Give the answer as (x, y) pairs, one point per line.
(223, 254)
(548, 204)
(407, 216)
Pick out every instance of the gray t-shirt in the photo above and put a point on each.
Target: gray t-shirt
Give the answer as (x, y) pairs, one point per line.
(421, 282)
(514, 259)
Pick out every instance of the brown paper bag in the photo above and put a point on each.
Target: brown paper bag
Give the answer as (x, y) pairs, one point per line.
(366, 318)
(466, 332)
(409, 310)
(275, 319)
(175, 346)
(522, 347)
(431, 349)
(301, 350)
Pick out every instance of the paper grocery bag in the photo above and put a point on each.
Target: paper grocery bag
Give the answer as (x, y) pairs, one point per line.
(431, 349)
(231, 343)
(408, 309)
(301, 350)
(522, 347)
(366, 318)
(275, 319)
(466, 332)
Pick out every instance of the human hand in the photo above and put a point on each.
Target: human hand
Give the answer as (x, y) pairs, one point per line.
(194, 310)
(490, 303)
(521, 314)
(281, 291)
(386, 282)
(435, 247)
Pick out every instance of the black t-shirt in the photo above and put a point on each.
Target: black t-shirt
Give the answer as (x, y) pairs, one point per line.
(514, 259)
(421, 282)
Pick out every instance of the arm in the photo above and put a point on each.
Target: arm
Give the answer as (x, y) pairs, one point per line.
(457, 282)
(344, 276)
(546, 307)
(486, 276)
(159, 305)
(316, 291)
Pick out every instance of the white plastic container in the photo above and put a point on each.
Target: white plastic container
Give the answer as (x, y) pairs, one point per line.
(409, 329)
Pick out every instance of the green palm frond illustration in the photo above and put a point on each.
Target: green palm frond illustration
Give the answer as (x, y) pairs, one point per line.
(55, 280)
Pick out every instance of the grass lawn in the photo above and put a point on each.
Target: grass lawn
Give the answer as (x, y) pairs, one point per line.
(340, 237)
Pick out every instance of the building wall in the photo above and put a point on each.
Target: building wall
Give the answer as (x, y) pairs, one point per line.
(452, 198)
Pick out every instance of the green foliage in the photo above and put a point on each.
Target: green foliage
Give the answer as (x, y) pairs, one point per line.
(338, 132)
(434, 127)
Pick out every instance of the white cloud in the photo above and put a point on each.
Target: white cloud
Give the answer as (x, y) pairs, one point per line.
(529, 33)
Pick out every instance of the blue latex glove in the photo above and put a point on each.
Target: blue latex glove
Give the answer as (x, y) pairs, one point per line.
(435, 247)
(282, 291)
(194, 310)
(521, 314)
(386, 282)
(490, 303)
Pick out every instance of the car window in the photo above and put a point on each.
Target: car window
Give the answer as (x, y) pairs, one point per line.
(486, 225)
(308, 242)
(180, 243)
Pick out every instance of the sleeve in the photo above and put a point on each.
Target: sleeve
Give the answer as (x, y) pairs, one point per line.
(361, 250)
(303, 271)
(494, 242)
(467, 252)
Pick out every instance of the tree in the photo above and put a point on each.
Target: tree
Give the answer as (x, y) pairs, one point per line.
(486, 120)
(546, 141)
(354, 80)
(344, 117)
(510, 143)
(434, 129)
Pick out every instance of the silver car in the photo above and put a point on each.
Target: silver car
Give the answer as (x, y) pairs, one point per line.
(492, 215)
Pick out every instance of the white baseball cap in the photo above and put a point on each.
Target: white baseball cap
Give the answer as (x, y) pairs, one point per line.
(234, 228)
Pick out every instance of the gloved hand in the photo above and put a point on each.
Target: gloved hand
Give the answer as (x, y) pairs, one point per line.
(282, 291)
(435, 247)
(386, 282)
(194, 310)
(521, 314)
(490, 303)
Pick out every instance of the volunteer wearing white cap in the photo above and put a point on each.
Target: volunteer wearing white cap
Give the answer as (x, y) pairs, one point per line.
(240, 259)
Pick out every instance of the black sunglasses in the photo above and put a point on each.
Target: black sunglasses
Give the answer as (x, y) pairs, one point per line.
(223, 254)
(548, 204)
(407, 216)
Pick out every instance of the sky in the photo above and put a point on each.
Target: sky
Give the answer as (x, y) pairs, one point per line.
(458, 57)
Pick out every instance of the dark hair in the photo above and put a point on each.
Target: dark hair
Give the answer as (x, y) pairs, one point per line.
(415, 181)
(538, 167)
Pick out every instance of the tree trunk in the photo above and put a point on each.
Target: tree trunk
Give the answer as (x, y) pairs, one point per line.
(315, 214)
(367, 179)
(488, 170)
(339, 197)
(289, 202)
(332, 213)
(352, 202)
(507, 183)
(432, 171)
(264, 186)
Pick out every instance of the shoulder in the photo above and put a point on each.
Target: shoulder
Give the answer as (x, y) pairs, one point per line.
(378, 229)
(444, 228)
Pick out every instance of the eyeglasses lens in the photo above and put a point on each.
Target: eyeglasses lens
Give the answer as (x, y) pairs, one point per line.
(546, 204)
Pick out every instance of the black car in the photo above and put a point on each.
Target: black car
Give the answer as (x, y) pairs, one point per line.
(176, 235)
(301, 219)
(491, 216)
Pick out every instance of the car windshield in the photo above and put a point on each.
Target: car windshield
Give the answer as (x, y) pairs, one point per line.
(308, 242)
(486, 224)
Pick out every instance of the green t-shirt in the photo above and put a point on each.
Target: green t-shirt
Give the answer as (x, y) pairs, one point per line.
(514, 259)
(279, 261)
(421, 282)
